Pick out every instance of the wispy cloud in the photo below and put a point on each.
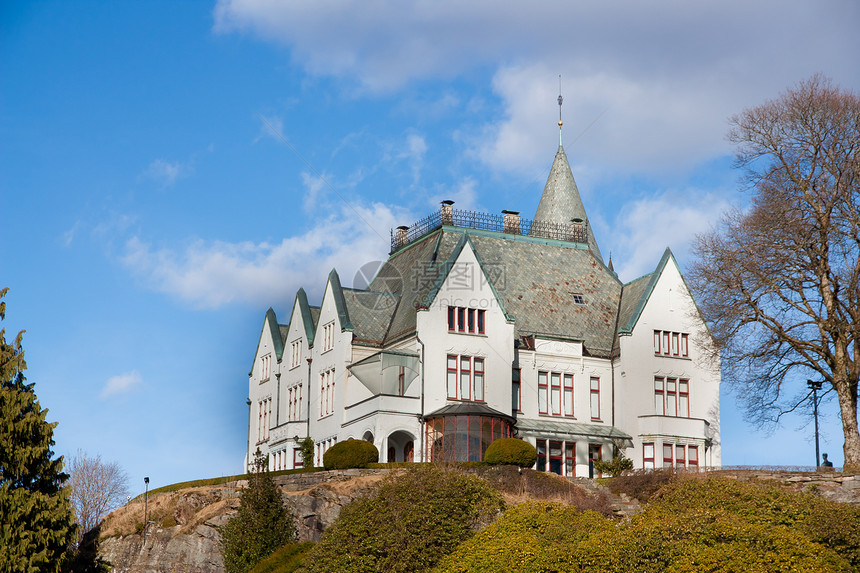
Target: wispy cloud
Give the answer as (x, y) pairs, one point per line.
(167, 172)
(644, 228)
(212, 274)
(121, 384)
(666, 74)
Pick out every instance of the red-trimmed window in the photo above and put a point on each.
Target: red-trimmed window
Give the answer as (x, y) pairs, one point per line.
(568, 394)
(465, 378)
(452, 376)
(543, 393)
(671, 343)
(671, 397)
(466, 320)
(555, 393)
(595, 398)
(516, 391)
(401, 381)
(667, 455)
(648, 456)
(594, 453)
(684, 398)
(297, 458)
(541, 452)
(680, 457)
(570, 459)
(659, 396)
(556, 457)
(693, 456)
(479, 379)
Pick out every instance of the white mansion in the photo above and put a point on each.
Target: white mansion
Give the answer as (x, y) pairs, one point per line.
(482, 326)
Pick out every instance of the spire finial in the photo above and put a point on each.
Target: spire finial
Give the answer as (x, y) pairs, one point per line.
(560, 101)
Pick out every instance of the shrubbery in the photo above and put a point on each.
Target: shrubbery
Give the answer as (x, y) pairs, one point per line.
(262, 524)
(511, 451)
(415, 518)
(691, 525)
(284, 560)
(350, 454)
(614, 468)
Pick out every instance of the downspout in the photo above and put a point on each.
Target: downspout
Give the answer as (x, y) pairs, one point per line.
(278, 404)
(308, 411)
(248, 454)
(421, 413)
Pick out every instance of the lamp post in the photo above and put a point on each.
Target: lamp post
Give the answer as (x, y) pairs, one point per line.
(815, 386)
(145, 507)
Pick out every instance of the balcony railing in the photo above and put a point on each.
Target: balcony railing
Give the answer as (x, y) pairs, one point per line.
(575, 231)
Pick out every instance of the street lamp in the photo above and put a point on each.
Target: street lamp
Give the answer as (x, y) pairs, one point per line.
(145, 507)
(815, 386)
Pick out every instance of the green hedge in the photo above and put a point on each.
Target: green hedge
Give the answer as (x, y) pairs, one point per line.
(511, 451)
(415, 518)
(350, 454)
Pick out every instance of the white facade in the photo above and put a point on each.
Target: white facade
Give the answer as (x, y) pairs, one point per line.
(468, 334)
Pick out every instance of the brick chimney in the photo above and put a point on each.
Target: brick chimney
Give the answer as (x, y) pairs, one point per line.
(511, 222)
(447, 212)
(400, 236)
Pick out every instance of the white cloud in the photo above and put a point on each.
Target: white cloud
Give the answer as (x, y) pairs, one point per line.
(463, 194)
(644, 228)
(121, 384)
(216, 273)
(167, 172)
(667, 73)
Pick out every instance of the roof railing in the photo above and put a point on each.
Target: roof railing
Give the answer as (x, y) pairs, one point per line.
(576, 231)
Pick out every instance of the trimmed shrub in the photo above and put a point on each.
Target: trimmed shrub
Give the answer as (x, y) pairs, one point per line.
(415, 518)
(511, 451)
(616, 467)
(350, 454)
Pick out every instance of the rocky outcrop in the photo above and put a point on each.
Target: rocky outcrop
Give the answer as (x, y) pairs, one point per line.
(183, 535)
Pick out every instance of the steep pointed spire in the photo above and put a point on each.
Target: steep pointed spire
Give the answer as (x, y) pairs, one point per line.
(560, 202)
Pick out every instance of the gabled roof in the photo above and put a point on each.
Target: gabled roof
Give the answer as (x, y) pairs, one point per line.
(307, 315)
(339, 302)
(270, 323)
(560, 202)
(534, 280)
(636, 293)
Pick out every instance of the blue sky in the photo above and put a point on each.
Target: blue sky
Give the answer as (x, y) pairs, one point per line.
(151, 215)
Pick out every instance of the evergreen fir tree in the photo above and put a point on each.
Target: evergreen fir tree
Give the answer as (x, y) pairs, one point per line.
(36, 517)
(262, 525)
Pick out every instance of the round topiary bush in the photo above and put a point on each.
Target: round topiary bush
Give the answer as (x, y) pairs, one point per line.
(350, 454)
(511, 451)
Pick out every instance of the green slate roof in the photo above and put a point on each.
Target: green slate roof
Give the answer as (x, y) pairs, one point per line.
(534, 280)
(561, 202)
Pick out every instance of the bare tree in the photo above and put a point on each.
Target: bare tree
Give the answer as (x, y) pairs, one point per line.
(97, 488)
(779, 283)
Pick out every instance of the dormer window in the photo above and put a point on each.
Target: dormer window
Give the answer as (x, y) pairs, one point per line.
(466, 320)
(578, 298)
